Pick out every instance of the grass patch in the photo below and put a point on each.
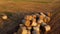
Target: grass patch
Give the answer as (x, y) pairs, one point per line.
(32, 1)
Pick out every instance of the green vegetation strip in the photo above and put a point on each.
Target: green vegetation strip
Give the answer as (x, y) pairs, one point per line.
(31, 1)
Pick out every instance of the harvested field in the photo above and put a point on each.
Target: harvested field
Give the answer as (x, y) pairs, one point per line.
(23, 7)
